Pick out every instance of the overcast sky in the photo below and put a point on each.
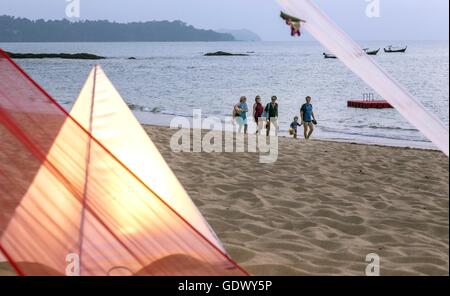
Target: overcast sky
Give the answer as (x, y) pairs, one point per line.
(399, 19)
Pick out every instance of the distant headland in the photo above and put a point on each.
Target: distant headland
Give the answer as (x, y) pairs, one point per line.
(14, 29)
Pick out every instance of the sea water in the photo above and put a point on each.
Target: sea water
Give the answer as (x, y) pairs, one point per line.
(173, 79)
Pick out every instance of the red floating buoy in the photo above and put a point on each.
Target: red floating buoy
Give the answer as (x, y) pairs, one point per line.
(374, 104)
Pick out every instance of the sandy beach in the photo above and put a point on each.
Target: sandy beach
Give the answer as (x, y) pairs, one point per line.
(322, 206)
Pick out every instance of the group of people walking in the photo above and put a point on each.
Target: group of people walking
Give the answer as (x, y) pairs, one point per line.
(263, 116)
(267, 116)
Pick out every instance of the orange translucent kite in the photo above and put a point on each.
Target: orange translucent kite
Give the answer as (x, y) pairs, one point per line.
(88, 193)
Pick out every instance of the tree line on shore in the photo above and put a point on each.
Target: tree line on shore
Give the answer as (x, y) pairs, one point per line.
(14, 29)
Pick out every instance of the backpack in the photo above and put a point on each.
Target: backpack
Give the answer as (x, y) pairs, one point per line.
(235, 112)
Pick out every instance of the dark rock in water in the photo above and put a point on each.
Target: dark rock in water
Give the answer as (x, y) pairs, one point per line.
(133, 106)
(131, 58)
(75, 56)
(224, 54)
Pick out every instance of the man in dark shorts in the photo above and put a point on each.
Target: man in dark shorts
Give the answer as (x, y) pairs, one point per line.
(308, 117)
(272, 115)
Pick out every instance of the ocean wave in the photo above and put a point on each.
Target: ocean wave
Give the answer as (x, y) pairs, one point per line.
(398, 128)
(136, 107)
(409, 137)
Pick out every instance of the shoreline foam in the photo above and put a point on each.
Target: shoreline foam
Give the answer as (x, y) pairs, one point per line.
(163, 120)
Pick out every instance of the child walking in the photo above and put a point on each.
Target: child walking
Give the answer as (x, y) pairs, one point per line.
(294, 126)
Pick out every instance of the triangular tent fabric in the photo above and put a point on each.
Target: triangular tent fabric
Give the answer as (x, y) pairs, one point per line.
(70, 206)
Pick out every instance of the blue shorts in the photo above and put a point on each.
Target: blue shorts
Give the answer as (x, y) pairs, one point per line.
(241, 121)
